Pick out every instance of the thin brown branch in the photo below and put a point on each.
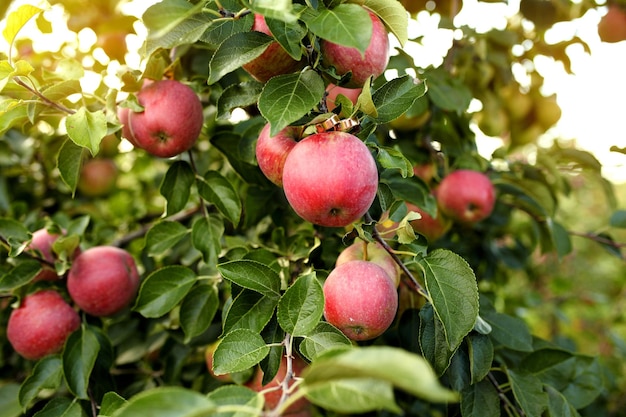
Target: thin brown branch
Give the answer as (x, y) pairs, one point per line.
(43, 98)
(599, 239)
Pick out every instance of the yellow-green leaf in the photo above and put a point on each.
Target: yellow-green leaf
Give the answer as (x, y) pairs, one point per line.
(17, 20)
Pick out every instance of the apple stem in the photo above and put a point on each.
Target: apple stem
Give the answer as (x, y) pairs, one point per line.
(284, 384)
(377, 237)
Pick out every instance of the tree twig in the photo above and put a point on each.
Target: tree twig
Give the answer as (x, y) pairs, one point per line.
(43, 98)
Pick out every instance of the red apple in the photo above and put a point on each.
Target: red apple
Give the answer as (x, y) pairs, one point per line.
(103, 280)
(271, 152)
(432, 228)
(97, 177)
(42, 242)
(273, 61)
(333, 91)
(272, 391)
(41, 324)
(347, 59)
(466, 196)
(122, 115)
(372, 252)
(171, 120)
(612, 26)
(360, 299)
(425, 171)
(330, 178)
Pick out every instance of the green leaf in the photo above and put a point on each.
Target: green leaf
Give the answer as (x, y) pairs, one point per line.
(301, 306)
(166, 402)
(558, 406)
(16, 235)
(447, 92)
(236, 395)
(391, 158)
(480, 400)
(237, 95)
(544, 359)
(79, 357)
(509, 331)
(351, 396)
(432, 340)
(198, 309)
(323, 337)
(47, 374)
(217, 190)
(19, 275)
(176, 186)
(174, 22)
(206, 234)
(453, 291)
(69, 163)
(252, 275)
(239, 350)
(618, 219)
(164, 235)
(16, 21)
(222, 29)
(393, 16)
(163, 289)
(481, 353)
(276, 9)
(111, 401)
(9, 405)
(394, 97)
(338, 26)
(61, 407)
(87, 128)
(528, 392)
(249, 310)
(288, 35)
(402, 369)
(237, 50)
(286, 98)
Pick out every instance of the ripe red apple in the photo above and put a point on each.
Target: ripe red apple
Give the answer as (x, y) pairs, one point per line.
(103, 280)
(430, 227)
(466, 196)
(271, 152)
(273, 61)
(330, 178)
(346, 59)
(122, 115)
(612, 26)
(171, 120)
(333, 91)
(97, 177)
(273, 395)
(41, 324)
(372, 252)
(360, 299)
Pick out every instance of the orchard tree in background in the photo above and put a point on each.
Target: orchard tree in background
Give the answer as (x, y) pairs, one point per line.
(278, 213)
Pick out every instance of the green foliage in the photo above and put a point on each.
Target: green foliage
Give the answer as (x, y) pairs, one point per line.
(223, 258)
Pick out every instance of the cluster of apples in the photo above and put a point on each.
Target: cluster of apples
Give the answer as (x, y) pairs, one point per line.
(102, 281)
(169, 123)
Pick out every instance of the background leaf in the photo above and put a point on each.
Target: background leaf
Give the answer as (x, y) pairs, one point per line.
(166, 402)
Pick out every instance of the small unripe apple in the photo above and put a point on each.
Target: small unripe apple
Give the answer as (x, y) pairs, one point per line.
(333, 91)
(330, 178)
(272, 391)
(347, 59)
(407, 123)
(372, 252)
(41, 242)
(272, 151)
(171, 120)
(432, 228)
(612, 26)
(547, 111)
(360, 299)
(273, 61)
(41, 324)
(97, 177)
(208, 358)
(103, 280)
(466, 196)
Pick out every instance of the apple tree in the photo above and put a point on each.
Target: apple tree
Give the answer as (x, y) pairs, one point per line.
(274, 211)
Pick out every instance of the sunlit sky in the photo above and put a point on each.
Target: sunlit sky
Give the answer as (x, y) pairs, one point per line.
(592, 99)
